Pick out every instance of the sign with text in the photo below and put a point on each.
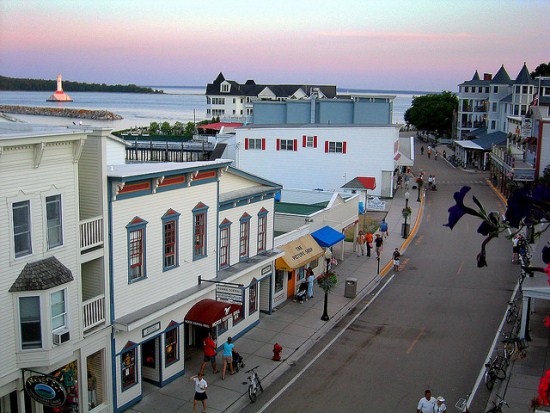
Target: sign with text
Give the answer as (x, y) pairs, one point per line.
(229, 294)
(375, 204)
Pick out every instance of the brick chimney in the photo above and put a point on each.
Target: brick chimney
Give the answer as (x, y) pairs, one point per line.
(487, 76)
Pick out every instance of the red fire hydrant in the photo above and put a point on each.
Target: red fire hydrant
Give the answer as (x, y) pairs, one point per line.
(277, 348)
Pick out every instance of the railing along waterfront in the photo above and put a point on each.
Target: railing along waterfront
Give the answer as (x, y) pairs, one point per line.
(91, 232)
(94, 311)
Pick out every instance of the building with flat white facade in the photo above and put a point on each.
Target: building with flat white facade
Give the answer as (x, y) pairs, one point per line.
(54, 297)
(319, 156)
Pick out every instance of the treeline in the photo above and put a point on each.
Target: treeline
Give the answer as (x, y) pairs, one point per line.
(41, 85)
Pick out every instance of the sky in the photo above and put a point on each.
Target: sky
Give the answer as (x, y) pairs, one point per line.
(420, 45)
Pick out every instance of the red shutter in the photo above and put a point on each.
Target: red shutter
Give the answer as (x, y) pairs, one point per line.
(326, 146)
(315, 141)
(245, 144)
(278, 144)
(304, 141)
(295, 145)
(263, 144)
(344, 147)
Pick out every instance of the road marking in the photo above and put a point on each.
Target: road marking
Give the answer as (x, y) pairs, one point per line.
(416, 340)
(307, 366)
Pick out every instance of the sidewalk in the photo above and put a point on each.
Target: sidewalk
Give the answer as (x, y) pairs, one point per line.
(296, 327)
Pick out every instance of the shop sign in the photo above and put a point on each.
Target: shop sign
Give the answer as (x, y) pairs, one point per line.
(229, 294)
(150, 330)
(375, 204)
(46, 390)
(266, 270)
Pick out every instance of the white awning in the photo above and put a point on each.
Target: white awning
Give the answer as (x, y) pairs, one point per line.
(468, 145)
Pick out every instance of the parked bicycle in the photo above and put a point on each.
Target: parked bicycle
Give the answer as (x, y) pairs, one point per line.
(495, 369)
(254, 384)
(513, 344)
(497, 408)
(513, 311)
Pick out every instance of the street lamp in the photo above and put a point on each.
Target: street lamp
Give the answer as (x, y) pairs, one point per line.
(406, 214)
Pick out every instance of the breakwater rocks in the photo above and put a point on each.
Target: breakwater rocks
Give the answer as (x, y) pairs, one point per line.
(61, 112)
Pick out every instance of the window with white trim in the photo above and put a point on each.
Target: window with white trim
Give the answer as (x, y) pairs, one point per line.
(170, 224)
(199, 231)
(128, 368)
(253, 143)
(337, 147)
(225, 231)
(136, 249)
(244, 237)
(30, 324)
(22, 228)
(171, 345)
(262, 230)
(286, 145)
(310, 141)
(53, 221)
(59, 310)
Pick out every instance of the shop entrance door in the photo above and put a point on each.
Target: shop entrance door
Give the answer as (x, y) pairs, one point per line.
(291, 285)
(150, 361)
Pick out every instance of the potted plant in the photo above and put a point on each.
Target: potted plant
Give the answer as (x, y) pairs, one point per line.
(407, 211)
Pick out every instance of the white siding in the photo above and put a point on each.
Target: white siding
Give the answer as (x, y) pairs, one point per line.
(369, 151)
(159, 284)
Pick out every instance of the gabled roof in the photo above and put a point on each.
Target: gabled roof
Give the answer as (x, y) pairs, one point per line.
(502, 77)
(361, 182)
(476, 76)
(42, 275)
(475, 81)
(524, 77)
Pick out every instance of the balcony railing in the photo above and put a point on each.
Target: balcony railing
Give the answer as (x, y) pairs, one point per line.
(94, 311)
(91, 233)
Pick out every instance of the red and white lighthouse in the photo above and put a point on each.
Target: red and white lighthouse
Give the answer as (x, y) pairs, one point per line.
(59, 95)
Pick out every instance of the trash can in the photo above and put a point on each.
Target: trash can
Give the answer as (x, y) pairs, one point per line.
(351, 288)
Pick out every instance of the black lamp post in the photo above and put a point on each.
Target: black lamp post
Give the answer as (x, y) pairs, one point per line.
(406, 214)
(328, 257)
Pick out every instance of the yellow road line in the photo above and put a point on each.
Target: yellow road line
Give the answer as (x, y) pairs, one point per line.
(416, 340)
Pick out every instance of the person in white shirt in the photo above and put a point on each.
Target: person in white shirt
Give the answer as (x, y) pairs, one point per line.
(426, 403)
(440, 405)
(200, 391)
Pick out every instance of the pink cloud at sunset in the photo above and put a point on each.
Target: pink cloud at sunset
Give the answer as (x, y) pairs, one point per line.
(392, 44)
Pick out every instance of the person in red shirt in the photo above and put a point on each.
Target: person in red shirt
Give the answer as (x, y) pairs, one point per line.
(209, 348)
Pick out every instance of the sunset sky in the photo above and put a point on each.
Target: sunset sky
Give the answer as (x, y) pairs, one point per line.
(430, 45)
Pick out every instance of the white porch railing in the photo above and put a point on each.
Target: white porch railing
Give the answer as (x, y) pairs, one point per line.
(94, 311)
(91, 232)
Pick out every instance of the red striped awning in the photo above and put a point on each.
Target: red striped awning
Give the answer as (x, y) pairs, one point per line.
(219, 125)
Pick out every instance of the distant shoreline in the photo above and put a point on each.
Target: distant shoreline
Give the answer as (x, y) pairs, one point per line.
(60, 112)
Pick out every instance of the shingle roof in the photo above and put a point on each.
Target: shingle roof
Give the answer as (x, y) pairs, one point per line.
(524, 77)
(502, 77)
(42, 275)
(250, 88)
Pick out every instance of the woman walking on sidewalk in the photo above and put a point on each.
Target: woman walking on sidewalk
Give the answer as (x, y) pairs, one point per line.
(200, 391)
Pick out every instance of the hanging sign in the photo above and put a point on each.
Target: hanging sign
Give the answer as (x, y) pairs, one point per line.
(46, 390)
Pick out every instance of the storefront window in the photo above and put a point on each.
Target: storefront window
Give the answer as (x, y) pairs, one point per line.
(67, 376)
(171, 346)
(95, 379)
(279, 280)
(149, 354)
(129, 371)
(253, 298)
(223, 327)
(301, 274)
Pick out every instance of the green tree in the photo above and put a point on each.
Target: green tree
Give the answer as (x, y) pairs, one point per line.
(178, 128)
(189, 130)
(433, 113)
(542, 70)
(154, 127)
(165, 128)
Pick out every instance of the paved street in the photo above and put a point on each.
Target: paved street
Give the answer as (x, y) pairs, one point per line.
(431, 327)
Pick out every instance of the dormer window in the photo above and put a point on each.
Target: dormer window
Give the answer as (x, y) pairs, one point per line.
(225, 87)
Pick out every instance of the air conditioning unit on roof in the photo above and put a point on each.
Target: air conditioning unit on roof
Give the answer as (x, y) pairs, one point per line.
(61, 336)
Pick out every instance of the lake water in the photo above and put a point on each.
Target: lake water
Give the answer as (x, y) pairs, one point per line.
(178, 103)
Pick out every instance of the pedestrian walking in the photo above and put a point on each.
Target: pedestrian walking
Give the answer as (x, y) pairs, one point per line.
(515, 249)
(360, 244)
(440, 405)
(368, 242)
(228, 356)
(310, 281)
(396, 256)
(407, 180)
(209, 349)
(379, 245)
(430, 182)
(200, 391)
(435, 155)
(444, 154)
(429, 152)
(384, 227)
(422, 150)
(426, 403)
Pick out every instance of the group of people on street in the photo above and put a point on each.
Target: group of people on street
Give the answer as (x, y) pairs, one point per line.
(209, 350)
(430, 150)
(429, 404)
(364, 243)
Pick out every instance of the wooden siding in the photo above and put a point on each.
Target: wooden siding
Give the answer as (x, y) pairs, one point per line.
(158, 284)
(90, 179)
(231, 182)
